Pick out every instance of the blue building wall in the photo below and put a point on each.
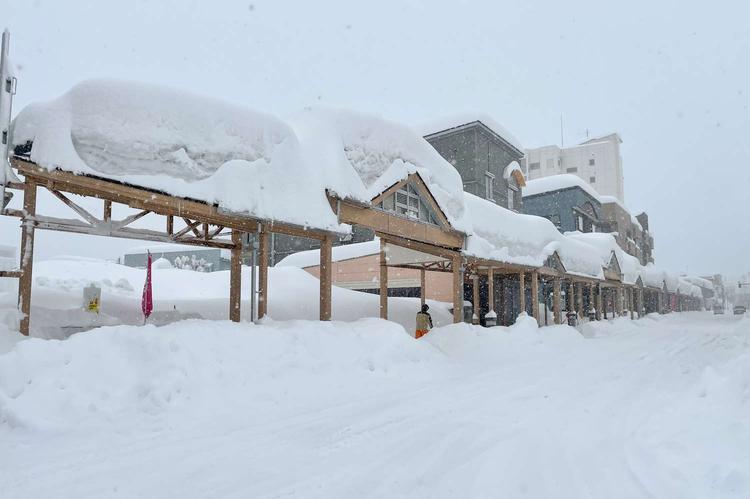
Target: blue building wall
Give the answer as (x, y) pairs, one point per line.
(563, 206)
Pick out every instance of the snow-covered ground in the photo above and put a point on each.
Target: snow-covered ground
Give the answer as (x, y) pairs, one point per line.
(658, 407)
(57, 297)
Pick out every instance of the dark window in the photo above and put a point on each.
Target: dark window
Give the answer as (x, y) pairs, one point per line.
(592, 180)
(592, 162)
(534, 166)
(572, 170)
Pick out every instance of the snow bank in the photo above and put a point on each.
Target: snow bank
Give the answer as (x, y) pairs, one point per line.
(556, 183)
(311, 258)
(182, 144)
(456, 120)
(196, 367)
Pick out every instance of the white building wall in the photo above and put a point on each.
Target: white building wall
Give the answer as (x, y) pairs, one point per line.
(605, 174)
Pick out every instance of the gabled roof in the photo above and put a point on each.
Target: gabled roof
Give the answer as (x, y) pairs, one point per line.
(554, 183)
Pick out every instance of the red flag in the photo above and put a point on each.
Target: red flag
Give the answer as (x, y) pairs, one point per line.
(147, 302)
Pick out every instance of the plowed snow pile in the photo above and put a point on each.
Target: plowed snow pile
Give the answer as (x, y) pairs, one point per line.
(653, 408)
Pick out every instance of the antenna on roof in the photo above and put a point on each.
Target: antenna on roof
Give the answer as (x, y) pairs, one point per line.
(587, 134)
(562, 140)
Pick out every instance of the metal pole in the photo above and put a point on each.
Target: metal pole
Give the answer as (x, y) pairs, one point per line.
(7, 90)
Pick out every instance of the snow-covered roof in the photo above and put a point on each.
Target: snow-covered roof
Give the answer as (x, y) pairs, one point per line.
(505, 236)
(373, 154)
(182, 144)
(699, 281)
(556, 183)
(311, 258)
(456, 120)
(605, 245)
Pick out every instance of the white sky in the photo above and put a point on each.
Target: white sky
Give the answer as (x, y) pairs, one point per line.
(670, 77)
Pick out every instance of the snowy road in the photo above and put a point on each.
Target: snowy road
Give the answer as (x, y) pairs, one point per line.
(652, 408)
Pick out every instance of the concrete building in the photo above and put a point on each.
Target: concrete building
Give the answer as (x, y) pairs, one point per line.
(631, 232)
(566, 200)
(597, 161)
(485, 154)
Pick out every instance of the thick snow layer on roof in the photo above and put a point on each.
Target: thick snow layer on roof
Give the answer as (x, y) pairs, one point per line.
(311, 258)
(505, 236)
(605, 244)
(653, 276)
(699, 281)
(557, 182)
(456, 120)
(365, 155)
(179, 143)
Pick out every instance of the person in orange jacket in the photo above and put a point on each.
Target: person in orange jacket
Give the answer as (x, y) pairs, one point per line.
(424, 322)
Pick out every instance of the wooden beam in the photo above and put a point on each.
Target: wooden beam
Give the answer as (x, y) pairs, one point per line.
(170, 225)
(262, 274)
(556, 301)
(153, 200)
(522, 292)
(422, 286)
(458, 290)
(16, 274)
(119, 224)
(235, 278)
(535, 295)
(326, 277)
(73, 206)
(107, 210)
(383, 281)
(27, 255)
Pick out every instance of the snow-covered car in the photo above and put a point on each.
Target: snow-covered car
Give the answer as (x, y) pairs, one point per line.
(718, 309)
(739, 310)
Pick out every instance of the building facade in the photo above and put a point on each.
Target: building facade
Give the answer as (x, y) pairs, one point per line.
(597, 161)
(486, 157)
(631, 235)
(566, 201)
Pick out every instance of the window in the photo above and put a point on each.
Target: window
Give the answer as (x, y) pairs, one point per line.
(579, 223)
(550, 163)
(534, 166)
(407, 202)
(592, 162)
(511, 198)
(572, 170)
(489, 186)
(592, 180)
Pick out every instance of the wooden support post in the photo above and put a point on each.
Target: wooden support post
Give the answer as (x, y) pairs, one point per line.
(235, 278)
(599, 302)
(475, 301)
(170, 224)
(491, 289)
(579, 297)
(617, 308)
(383, 281)
(326, 277)
(262, 274)
(556, 301)
(641, 306)
(535, 295)
(27, 255)
(522, 292)
(422, 286)
(631, 303)
(458, 290)
(107, 210)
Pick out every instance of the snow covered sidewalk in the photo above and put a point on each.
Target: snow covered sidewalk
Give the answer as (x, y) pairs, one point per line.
(652, 408)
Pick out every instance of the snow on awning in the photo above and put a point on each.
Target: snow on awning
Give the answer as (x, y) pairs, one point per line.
(505, 236)
(364, 155)
(606, 245)
(181, 144)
